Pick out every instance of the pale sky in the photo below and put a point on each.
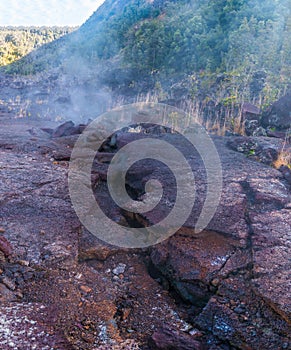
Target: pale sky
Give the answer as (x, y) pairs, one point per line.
(46, 12)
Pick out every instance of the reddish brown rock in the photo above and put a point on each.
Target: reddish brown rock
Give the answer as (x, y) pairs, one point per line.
(191, 263)
(5, 246)
(236, 315)
(248, 236)
(90, 247)
(271, 259)
(169, 339)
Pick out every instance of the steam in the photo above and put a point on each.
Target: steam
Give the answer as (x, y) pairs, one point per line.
(71, 92)
(76, 90)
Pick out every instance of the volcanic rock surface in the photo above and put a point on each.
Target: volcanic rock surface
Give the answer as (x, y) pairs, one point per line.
(236, 272)
(227, 287)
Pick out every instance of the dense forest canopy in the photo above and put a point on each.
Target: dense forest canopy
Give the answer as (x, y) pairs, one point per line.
(16, 42)
(204, 34)
(246, 41)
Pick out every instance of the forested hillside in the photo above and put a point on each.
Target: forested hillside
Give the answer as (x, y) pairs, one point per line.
(224, 51)
(248, 41)
(16, 42)
(212, 48)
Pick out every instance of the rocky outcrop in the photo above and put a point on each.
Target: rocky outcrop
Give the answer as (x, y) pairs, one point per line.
(234, 273)
(278, 115)
(262, 149)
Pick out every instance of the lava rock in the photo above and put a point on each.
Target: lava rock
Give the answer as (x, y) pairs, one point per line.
(261, 149)
(5, 246)
(286, 171)
(278, 115)
(170, 339)
(65, 129)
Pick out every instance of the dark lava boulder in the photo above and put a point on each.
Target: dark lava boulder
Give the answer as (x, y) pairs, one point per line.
(279, 114)
(250, 111)
(65, 129)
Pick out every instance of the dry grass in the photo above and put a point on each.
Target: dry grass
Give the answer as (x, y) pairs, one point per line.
(284, 157)
(232, 120)
(217, 125)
